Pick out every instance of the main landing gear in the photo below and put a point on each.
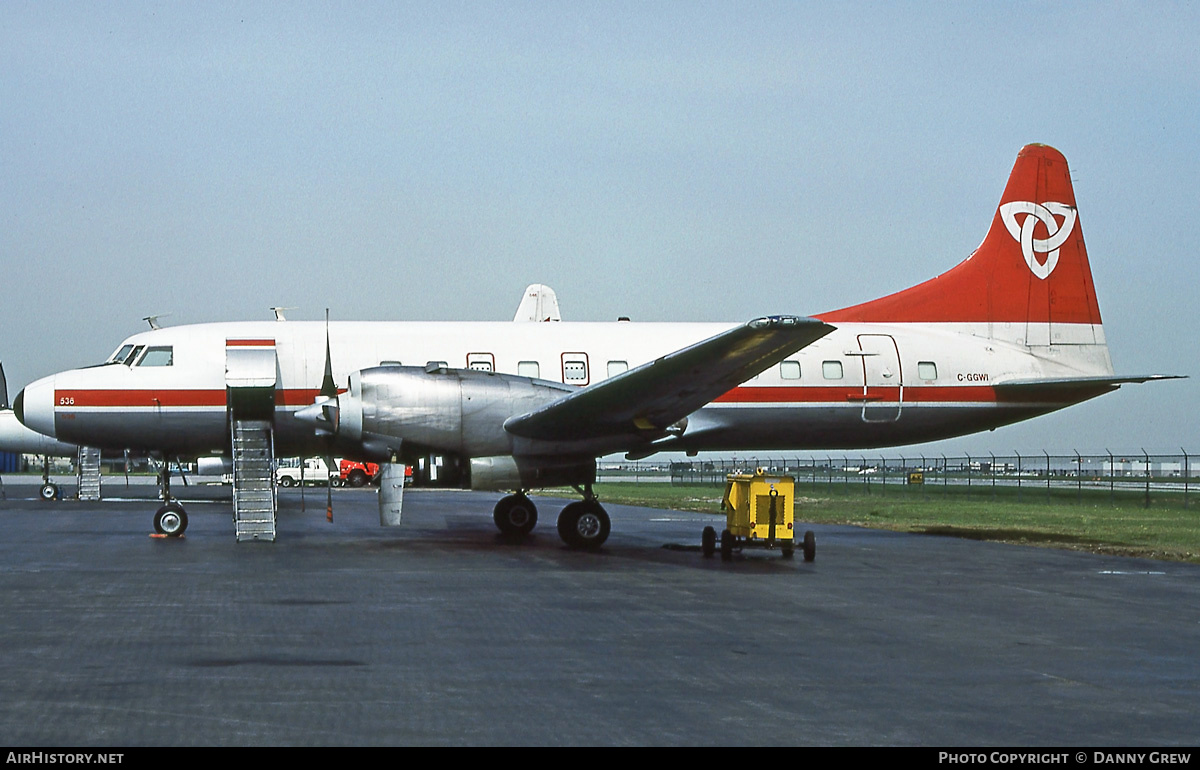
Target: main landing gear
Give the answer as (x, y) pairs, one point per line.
(170, 520)
(583, 524)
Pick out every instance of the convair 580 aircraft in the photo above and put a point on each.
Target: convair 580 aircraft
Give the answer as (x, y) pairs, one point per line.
(1012, 332)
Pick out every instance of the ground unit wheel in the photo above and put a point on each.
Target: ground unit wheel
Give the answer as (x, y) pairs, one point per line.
(48, 491)
(584, 524)
(788, 551)
(708, 542)
(726, 545)
(356, 478)
(286, 481)
(810, 546)
(170, 520)
(515, 515)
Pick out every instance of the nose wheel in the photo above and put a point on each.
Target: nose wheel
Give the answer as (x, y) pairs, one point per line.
(170, 520)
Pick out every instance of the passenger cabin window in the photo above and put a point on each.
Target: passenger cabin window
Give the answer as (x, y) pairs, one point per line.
(389, 363)
(926, 370)
(157, 357)
(529, 369)
(617, 367)
(832, 370)
(789, 370)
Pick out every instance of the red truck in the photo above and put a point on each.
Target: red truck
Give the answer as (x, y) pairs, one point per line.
(356, 474)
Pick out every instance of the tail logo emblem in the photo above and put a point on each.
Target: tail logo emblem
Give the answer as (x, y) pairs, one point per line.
(1046, 213)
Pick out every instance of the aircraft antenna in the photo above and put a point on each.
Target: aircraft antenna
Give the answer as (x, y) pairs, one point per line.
(153, 320)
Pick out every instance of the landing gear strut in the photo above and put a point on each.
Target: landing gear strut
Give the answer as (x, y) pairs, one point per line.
(584, 524)
(170, 520)
(515, 514)
(49, 490)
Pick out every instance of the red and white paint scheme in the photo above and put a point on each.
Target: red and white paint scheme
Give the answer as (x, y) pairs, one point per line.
(1012, 332)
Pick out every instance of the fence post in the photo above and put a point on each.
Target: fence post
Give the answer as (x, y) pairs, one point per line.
(1079, 479)
(1111, 471)
(1047, 474)
(1020, 470)
(993, 456)
(1186, 473)
(1147, 458)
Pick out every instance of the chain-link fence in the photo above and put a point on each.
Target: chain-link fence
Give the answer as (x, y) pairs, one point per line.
(1144, 478)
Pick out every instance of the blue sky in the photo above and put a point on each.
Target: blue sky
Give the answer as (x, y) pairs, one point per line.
(665, 161)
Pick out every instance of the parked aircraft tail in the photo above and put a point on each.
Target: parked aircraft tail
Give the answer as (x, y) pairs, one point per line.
(1029, 281)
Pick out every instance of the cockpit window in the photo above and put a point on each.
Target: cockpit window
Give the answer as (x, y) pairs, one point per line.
(157, 357)
(120, 356)
(133, 356)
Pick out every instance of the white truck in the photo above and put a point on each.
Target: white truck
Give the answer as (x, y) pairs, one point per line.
(290, 473)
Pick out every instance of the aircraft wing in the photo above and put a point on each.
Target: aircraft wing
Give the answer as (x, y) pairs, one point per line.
(655, 395)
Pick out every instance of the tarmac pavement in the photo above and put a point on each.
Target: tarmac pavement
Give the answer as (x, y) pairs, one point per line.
(442, 632)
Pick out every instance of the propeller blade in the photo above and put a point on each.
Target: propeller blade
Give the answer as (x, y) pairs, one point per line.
(328, 387)
(3, 389)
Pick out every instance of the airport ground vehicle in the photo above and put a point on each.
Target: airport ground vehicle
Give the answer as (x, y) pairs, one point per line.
(356, 474)
(312, 470)
(758, 514)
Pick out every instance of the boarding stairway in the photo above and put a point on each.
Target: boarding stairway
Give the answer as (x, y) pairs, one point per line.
(254, 501)
(89, 473)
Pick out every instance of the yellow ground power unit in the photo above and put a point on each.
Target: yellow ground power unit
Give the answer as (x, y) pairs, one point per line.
(758, 513)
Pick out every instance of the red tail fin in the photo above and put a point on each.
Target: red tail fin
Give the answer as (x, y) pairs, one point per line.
(1032, 267)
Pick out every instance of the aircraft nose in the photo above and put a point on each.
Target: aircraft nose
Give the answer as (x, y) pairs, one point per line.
(34, 406)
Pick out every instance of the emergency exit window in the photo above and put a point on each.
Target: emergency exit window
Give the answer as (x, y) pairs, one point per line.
(575, 368)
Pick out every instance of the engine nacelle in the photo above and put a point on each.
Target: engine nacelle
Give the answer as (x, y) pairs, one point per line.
(495, 473)
(452, 410)
(214, 466)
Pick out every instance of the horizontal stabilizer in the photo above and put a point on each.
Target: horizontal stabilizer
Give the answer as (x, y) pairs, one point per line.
(649, 399)
(1076, 382)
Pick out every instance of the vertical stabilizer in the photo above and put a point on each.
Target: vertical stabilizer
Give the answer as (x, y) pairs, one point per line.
(1028, 282)
(539, 303)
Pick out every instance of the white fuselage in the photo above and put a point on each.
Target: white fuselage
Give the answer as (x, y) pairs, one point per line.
(864, 385)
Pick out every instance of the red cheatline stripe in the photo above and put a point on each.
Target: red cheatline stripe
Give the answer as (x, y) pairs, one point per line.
(913, 394)
(65, 399)
(249, 343)
(964, 394)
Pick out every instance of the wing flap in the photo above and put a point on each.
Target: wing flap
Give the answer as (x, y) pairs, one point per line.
(649, 399)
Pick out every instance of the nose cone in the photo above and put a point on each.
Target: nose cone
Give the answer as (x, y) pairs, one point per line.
(34, 406)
